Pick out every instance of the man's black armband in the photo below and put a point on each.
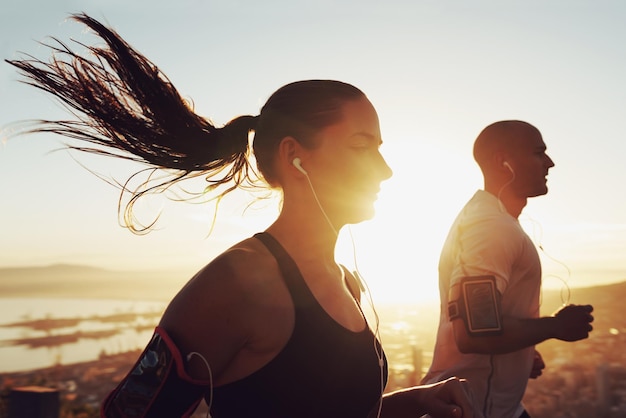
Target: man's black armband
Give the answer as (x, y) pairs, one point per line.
(476, 301)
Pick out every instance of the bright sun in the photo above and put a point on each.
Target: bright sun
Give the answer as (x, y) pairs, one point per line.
(397, 252)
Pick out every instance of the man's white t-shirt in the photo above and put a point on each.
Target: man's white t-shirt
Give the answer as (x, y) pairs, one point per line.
(487, 240)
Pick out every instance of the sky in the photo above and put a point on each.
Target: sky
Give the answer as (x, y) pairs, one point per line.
(436, 71)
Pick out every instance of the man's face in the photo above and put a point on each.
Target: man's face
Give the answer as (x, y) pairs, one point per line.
(530, 164)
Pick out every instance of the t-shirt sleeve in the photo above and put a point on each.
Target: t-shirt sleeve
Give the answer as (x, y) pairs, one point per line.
(487, 248)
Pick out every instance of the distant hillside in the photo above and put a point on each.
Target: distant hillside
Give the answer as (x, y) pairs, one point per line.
(76, 281)
(610, 295)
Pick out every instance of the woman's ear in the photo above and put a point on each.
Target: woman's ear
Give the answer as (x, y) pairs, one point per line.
(288, 150)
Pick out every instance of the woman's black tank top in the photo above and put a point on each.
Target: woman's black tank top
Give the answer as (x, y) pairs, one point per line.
(325, 370)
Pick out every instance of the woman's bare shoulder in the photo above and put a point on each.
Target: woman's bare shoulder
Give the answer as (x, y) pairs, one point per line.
(242, 275)
(246, 264)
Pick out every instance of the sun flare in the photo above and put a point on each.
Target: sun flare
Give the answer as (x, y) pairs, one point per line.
(397, 252)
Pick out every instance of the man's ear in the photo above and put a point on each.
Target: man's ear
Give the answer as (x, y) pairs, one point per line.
(499, 161)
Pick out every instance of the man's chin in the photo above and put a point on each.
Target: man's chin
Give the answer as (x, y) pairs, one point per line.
(541, 192)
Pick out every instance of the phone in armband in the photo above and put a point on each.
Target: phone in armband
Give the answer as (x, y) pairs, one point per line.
(476, 300)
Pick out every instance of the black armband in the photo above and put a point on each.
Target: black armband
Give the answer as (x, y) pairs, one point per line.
(157, 385)
(476, 301)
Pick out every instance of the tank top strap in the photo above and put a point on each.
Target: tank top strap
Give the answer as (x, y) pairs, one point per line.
(291, 273)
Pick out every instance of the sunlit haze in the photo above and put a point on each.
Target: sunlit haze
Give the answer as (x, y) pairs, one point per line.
(436, 71)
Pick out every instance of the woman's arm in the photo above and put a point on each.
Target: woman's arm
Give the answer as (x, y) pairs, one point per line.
(450, 398)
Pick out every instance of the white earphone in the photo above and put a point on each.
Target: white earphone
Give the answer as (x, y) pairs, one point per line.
(507, 165)
(298, 164)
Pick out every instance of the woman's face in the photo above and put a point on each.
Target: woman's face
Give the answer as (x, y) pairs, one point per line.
(346, 168)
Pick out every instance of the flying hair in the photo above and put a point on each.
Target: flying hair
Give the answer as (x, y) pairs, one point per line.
(126, 107)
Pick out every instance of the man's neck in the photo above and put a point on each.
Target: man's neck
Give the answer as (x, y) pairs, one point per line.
(513, 204)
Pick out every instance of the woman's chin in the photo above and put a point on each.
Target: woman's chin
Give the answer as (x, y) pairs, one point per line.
(364, 214)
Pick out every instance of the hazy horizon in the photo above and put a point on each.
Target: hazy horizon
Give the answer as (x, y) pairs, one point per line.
(91, 282)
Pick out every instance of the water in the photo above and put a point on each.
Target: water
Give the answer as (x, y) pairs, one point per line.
(93, 327)
(115, 326)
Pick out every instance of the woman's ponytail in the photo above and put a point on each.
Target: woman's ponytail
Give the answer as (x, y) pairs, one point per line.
(127, 108)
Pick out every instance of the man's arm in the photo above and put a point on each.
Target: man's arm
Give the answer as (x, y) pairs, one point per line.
(571, 323)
